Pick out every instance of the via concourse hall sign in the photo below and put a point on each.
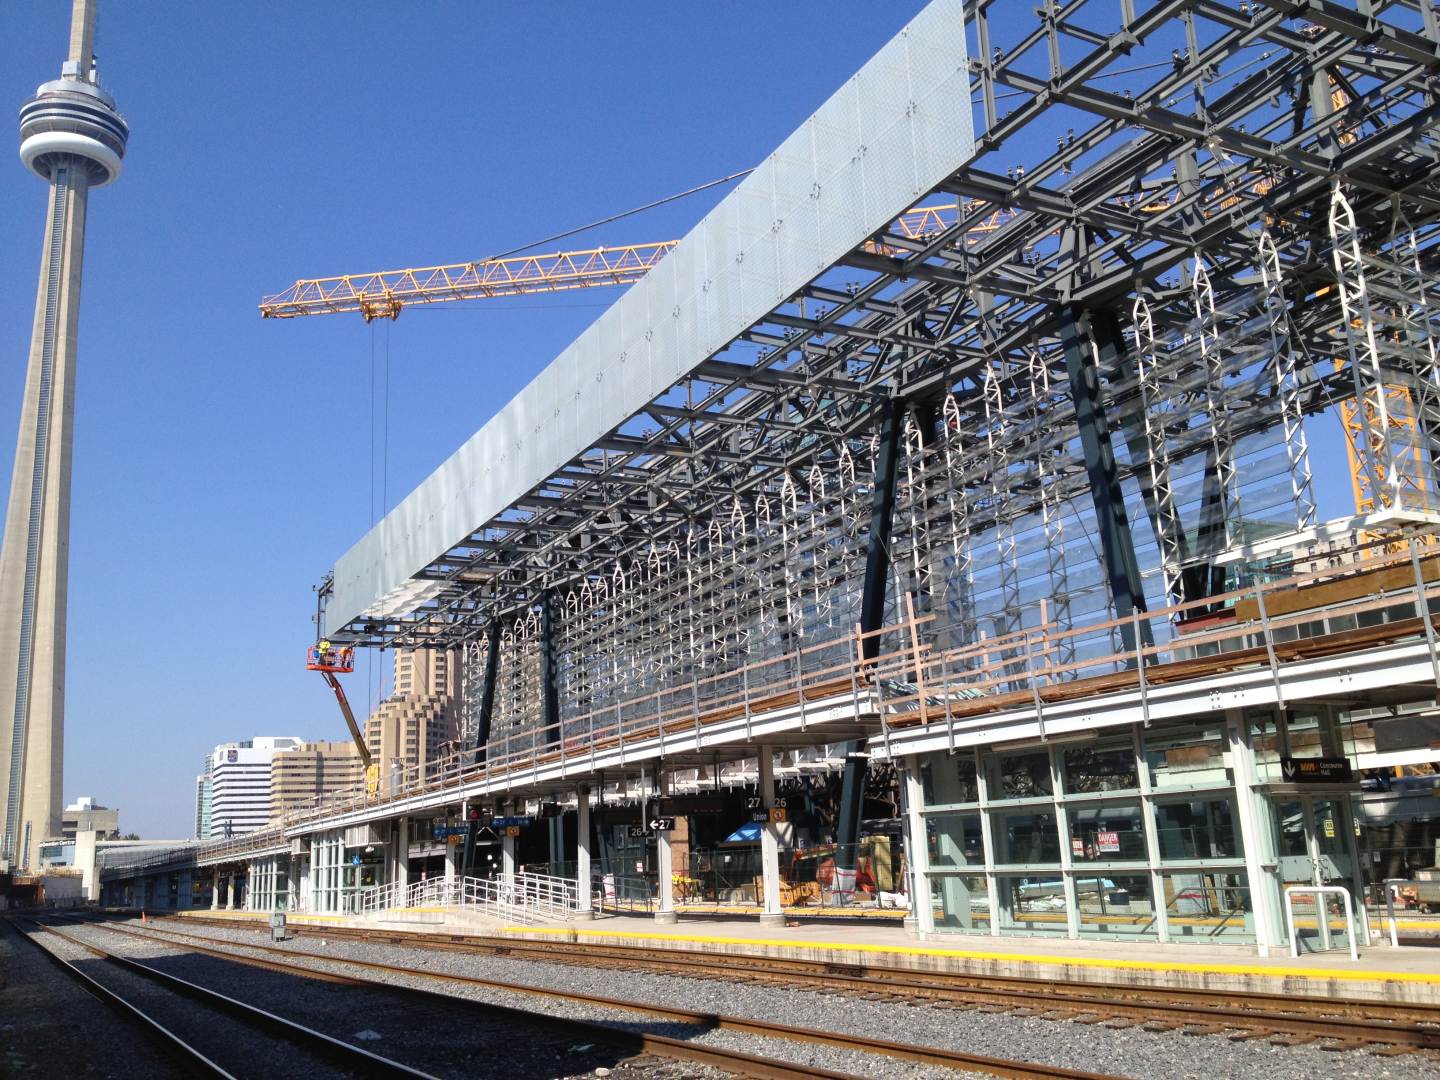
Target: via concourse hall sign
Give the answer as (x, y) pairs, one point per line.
(1316, 770)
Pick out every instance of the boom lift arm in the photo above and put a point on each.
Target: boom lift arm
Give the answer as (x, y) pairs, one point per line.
(330, 662)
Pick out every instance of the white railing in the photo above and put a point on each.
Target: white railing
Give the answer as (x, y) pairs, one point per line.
(1322, 915)
(530, 898)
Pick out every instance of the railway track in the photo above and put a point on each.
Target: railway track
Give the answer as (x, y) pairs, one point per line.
(302, 1042)
(1385, 1028)
(952, 1059)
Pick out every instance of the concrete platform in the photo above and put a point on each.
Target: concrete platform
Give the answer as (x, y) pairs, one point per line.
(1407, 973)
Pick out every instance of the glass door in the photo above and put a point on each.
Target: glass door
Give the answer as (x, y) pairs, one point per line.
(1315, 845)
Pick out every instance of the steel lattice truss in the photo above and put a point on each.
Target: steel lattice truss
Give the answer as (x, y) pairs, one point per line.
(1250, 190)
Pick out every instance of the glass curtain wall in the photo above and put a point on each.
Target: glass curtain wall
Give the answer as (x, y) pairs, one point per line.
(1131, 834)
(269, 884)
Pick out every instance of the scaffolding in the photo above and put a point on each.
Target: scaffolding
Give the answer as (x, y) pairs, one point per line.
(1266, 253)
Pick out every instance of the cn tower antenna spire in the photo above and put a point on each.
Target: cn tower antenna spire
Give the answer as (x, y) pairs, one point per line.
(82, 35)
(72, 137)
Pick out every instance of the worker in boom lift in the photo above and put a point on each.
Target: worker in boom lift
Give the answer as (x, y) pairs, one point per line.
(322, 651)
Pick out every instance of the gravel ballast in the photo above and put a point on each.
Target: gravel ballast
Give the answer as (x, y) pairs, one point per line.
(50, 1026)
(458, 1042)
(1129, 1051)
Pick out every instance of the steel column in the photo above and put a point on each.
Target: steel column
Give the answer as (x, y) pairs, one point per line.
(872, 617)
(1092, 341)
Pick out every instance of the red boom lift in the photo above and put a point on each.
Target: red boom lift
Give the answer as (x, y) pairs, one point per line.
(330, 662)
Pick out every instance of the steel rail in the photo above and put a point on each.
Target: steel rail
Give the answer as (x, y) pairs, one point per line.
(151, 1028)
(953, 1059)
(1350, 1021)
(364, 1062)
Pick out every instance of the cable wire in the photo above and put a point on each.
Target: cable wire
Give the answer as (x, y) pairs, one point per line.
(624, 214)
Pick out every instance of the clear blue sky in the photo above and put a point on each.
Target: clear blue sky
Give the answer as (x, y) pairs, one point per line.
(221, 461)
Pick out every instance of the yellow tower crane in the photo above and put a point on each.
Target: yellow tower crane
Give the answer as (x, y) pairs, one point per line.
(382, 295)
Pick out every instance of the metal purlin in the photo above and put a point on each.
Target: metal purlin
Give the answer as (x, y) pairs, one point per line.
(39, 473)
(1364, 355)
(1287, 377)
(1156, 408)
(1217, 416)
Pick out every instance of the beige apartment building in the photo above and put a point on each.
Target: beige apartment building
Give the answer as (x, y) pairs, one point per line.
(301, 778)
(421, 719)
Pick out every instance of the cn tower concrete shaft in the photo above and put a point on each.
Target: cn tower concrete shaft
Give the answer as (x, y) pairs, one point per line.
(72, 137)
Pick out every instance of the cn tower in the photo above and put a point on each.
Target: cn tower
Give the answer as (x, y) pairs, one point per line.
(72, 138)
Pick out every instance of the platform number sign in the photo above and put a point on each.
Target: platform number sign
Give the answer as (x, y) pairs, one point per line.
(512, 830)
(762, 815)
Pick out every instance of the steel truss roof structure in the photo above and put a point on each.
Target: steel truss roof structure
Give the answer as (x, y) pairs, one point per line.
(1249, 190)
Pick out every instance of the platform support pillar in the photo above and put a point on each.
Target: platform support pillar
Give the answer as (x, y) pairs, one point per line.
(292, 883)
(402, 852)
(230, 893)
(771, 914)
(215, 891)
(452, 852)
(1264, 896)
(583, 901)
(664, 862)
(184, 888)
(507, 856)
(917, 852)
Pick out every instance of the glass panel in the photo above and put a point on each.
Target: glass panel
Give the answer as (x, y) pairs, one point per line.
(1022, 776)
(1026, 836)
(1116, 904)
(955, 840)
(1032, 904)
(1105, 765)
(1186, 755)
(960, 902)
(949, 779)
(1111, 833)
(1265, 741)
(1208, 907)
(1304, 736)
(1199, 828)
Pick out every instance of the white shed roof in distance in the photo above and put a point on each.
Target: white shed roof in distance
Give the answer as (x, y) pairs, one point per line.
(891, 134)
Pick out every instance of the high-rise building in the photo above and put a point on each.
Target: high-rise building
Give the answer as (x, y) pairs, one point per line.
(421, 719)
(202, 800)
(240, 783)
(85, 814)
(303, 777)
(73, 139)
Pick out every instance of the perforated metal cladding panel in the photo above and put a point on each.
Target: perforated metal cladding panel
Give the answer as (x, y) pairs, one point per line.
(887, 137)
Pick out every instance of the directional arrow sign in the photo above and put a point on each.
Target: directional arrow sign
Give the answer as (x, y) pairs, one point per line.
(662, 824)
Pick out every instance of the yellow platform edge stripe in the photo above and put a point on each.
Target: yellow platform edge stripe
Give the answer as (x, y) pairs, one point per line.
(1022, 958)
(1102, 963)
